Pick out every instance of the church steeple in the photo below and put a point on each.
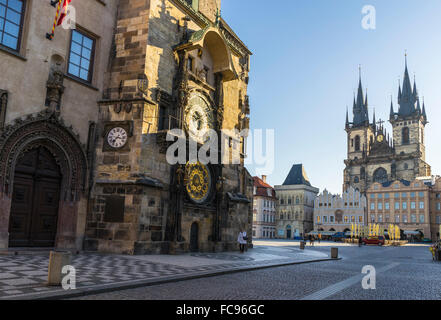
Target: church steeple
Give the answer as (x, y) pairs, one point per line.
(415, 90)
(392, 112)
(408, 97)
(360, 109)
(418, 107)
(424, 112)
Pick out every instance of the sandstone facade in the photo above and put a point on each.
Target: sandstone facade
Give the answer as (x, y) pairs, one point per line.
(295, 208)
(167, 53)
(145, 59)
(403, 203)
(44, 108)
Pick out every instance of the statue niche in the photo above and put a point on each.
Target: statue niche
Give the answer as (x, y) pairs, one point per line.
(54, 84)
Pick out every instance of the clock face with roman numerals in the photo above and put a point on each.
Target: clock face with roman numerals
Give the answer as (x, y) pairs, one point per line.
(117, 137)
(199, 117)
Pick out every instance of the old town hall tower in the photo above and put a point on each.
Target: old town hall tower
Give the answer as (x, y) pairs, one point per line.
(374, 156)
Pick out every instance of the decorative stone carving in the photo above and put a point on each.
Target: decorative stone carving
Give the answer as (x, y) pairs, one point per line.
(55, 88)
(44, 129)
(143, 86)
(219, 100)
(3, 105)
(117, 107)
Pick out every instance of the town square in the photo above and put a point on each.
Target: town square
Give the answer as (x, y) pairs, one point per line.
(208, 150)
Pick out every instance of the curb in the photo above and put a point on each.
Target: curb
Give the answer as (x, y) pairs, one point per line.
(104, 288)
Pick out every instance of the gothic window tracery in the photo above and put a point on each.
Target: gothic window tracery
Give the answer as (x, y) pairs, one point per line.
(357, 143)
(380, 175)
(405, 135)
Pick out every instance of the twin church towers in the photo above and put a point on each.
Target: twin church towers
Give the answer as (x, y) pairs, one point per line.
(375, 156)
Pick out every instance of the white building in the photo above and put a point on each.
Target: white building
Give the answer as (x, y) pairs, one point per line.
(264, 210)
(339, 212)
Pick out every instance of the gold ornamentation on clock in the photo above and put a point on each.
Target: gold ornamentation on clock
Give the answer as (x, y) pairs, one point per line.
(198, 182)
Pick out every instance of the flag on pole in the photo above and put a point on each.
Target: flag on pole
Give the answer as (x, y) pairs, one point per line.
(59, 16)
(64, 11)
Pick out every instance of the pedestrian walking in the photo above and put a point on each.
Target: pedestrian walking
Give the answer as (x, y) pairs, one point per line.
(241, 240)
(319, 237)
(359, 241)
(245, 237)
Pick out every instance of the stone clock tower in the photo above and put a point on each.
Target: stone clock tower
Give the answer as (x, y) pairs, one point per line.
(176, 65)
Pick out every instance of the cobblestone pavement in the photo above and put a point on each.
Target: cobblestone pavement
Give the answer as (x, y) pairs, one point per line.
(26, 274)
(403, 273)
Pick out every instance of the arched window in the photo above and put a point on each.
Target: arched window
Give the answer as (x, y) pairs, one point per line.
(405, 134)
(380, 175)
(297, 200)
(357, 143)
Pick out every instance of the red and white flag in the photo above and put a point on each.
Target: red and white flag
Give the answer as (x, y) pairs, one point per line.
(64, 11)
(59, 16)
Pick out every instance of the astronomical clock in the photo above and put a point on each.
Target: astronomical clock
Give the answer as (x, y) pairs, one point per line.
(199, 117)
(199, 182)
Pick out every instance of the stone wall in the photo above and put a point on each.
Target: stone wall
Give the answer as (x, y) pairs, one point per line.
(209, 8)
(142, 78)
(35, 59)
(78, 101)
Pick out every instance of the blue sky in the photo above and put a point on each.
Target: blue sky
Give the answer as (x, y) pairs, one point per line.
(304, 72)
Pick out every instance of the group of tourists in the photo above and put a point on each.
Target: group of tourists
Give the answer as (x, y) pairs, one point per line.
(312, 239)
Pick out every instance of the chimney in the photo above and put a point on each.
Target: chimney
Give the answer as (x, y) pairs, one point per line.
(264, 178)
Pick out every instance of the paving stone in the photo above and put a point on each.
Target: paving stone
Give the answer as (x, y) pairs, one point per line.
(29, 273)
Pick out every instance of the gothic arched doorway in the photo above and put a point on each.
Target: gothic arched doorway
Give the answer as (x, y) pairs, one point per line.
(35, 200)
(43, 183)
(194, 237)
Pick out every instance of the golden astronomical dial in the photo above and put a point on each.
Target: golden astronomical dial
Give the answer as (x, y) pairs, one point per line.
(380, 138)
(198, 182)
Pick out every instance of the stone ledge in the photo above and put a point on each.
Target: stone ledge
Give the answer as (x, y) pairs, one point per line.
(149, 182)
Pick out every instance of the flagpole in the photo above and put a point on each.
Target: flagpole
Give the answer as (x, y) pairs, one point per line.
(50, 36)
